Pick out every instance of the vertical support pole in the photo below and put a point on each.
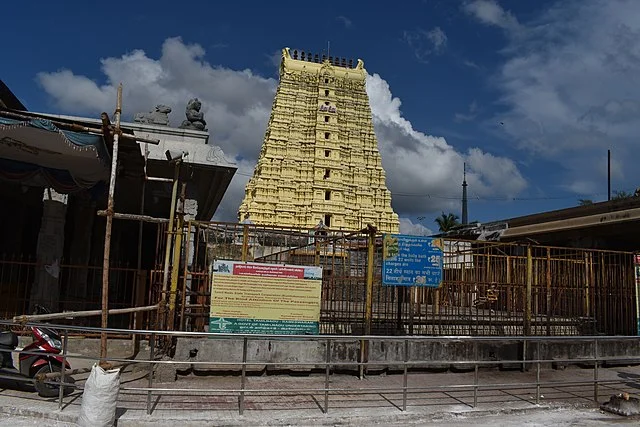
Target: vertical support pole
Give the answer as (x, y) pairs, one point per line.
(527, 308)
(326, 377)
(107, 232)
(587, 281)
(548, 291)
(62, 369)
(476, 375)
(608, 174)
(245, 242)
(401, 297)
(538, 372)
(412, 307)
(368, 315)
(596, 395)
(243, 379)
(316, 244)
(509, 289)
(183, 322)
(636, 290)
(167, 250)
(405, 380)
(175, 264)
(152, 342)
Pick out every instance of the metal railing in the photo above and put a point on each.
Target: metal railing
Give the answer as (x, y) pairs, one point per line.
(532, 358)
(488, 288)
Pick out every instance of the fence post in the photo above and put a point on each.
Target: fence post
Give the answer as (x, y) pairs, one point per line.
(152, 342)
(371, 245)
(61, 390)
(527, 307)
(548, 291)
(245, 242)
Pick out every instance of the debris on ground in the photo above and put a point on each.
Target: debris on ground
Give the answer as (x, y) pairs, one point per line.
(622, 404)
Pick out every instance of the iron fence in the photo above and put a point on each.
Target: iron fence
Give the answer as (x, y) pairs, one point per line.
(489, 288)
(537, 354)
(79, 288)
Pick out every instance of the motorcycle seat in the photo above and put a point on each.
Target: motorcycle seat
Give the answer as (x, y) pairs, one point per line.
(8, 340)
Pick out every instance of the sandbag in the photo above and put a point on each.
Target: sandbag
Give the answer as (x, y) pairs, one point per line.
(99, 398)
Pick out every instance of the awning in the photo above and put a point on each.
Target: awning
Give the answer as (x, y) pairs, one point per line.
(35, 152)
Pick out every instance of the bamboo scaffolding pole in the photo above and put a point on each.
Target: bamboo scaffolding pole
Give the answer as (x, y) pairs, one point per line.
(85, 313)
(107, 232)
(134, 217)
(109, 365)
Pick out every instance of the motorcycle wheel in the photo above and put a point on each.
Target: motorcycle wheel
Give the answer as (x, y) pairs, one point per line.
(49, 389)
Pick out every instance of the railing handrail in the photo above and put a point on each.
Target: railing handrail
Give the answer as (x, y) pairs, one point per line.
(334, 337)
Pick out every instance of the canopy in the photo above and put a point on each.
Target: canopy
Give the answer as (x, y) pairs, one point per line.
(35, 152)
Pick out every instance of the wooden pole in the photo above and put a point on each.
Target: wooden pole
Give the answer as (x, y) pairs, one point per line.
(527, 307)
(86, 313)
(107, 232)
(368, 315)
(167, 249)
(548, 291)
(175, 265)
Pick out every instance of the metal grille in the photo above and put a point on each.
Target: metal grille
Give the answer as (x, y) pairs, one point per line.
(488, 289)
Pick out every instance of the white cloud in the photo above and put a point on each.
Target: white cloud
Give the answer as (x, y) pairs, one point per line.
(469, 116)
(491, 13)
(426, 43)
(570, 91)
(417, 163)
(344, 21)
(237, 106)
(413, 229)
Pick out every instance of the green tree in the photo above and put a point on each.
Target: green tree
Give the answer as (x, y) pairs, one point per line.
(619, 195)
(585, 202)
(446, 222)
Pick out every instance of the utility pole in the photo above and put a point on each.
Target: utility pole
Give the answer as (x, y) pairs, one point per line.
(608, 175)
(465, 214)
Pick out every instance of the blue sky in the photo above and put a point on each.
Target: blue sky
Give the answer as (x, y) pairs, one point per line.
(530, 94)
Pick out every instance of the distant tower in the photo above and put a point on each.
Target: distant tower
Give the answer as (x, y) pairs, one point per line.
(319, 161)
(465, 215)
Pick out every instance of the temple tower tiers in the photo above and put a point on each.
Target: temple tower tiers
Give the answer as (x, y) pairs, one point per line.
(319, 159)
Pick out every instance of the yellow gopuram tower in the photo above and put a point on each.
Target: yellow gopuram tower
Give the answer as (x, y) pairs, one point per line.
(319, 160)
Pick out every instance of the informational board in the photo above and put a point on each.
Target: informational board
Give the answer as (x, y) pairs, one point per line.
(256, 298)
(412, 261)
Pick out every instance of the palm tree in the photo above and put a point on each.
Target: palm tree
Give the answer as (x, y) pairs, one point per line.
(446, 222)
(619, 195)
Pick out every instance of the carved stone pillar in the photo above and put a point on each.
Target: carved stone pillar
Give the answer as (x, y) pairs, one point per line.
(190, 210)
(46, 288)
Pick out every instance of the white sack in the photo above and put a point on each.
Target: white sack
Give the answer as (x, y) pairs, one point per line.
(99, 398)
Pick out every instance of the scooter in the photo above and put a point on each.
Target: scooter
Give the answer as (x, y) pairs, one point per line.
(39, 357)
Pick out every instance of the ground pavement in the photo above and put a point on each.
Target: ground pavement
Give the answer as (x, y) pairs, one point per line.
(355, 401)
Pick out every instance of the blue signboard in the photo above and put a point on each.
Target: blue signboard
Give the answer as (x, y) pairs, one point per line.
(412, 261)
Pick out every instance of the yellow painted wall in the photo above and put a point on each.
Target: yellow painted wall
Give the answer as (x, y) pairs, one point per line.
(320, 144)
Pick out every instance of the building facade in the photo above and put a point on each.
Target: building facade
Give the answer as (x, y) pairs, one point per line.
(319, 160)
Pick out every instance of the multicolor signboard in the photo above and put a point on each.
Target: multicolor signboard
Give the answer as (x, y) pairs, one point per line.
(412, 261)
(256, 298)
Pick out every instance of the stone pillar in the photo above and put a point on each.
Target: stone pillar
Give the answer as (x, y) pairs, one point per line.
(83, 215)
(46, 287)
(190, 210)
